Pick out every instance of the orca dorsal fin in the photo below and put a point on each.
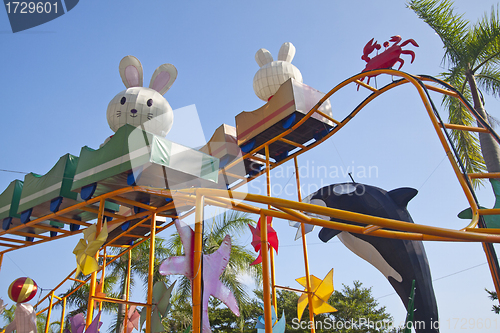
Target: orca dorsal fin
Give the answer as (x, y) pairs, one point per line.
(402, 196)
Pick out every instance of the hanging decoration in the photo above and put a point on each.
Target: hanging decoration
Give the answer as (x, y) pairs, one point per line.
(321, 291)
(133, 319)
(22, 290)
(24, 319)
(278, 326)
(87, 248)
(272, 239)
(214, 265)
(77, 323)
(161, 306)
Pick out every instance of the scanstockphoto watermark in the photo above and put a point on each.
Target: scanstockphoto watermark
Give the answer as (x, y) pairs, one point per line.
(360, 323)
(354, 324)
(311, 170)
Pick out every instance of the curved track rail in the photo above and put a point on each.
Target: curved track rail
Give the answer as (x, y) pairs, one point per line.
(475, 231)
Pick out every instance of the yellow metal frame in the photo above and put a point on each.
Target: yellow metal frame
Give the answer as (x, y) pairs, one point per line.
(252, 203)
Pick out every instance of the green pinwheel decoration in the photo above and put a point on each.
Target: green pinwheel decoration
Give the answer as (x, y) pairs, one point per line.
(161, 306)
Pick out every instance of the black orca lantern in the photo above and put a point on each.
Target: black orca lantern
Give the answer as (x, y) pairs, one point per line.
(401, 261)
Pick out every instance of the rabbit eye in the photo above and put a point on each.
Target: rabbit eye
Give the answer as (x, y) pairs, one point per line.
(123, 100)
(149, 102)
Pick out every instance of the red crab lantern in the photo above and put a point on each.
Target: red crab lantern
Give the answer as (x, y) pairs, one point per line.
(389, 57)
(22, 290)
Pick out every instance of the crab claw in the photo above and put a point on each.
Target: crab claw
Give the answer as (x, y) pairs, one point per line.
(395, 39)
(368, 47)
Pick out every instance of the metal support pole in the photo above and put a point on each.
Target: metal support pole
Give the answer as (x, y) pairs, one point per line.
(198, 257)
(103, 274)
(63, 313)
(127, 291)
(49, 311)
(265, 274)
(93, 279)
(304, 251)
(271, 254)
(151, 272)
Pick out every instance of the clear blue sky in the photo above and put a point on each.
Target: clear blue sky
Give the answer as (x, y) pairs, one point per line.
(58, 78)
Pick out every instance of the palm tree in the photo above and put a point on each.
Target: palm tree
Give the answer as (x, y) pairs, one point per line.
(235, 224)
(139, 270)
(472, 53)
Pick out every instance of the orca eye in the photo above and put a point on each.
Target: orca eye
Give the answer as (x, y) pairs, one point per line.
(149, 102)
(123, 100)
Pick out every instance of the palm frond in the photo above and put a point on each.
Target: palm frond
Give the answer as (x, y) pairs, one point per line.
(484, 42)
(488, 79)
(231, 222)
(466, 143)
(240, 261)
(449, 26)
(182, 291)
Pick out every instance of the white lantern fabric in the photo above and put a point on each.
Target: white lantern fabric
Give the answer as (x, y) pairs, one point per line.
(140, 106)
(24, 319)
(151, 109)
(273, 74)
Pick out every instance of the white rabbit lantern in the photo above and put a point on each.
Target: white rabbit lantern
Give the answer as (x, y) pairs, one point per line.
(140, 106)
(272, 74)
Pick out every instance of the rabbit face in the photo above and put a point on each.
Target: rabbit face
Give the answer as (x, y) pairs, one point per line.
(273, 74)
(140, 106)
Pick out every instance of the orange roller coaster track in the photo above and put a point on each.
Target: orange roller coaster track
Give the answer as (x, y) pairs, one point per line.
(298, 211)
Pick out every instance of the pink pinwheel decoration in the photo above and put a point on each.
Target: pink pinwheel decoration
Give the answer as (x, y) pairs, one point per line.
(133, 319)
(214, 265)
(272, 239)
(78, 324)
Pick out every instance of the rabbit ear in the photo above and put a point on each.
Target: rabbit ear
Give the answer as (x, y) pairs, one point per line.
(163, 78)
(287, 52)
(131, 71)
(263, 57)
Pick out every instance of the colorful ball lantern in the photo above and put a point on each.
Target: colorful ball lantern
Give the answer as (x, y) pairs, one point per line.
(22, 290)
